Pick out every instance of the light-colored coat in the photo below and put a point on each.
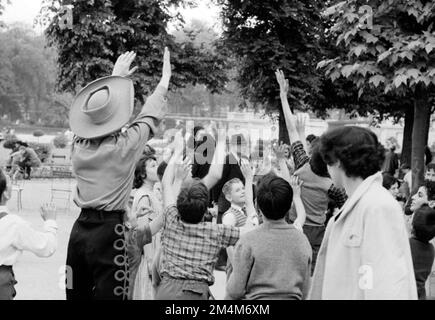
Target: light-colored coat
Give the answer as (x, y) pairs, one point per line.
(365, 253)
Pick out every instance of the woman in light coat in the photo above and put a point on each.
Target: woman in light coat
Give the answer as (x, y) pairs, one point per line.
(365, 253)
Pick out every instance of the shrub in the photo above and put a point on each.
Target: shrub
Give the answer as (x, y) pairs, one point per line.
(60, 141)
(38, 133)
(43, 150)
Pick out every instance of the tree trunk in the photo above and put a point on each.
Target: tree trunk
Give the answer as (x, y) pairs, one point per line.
(407, 137)
(212, 103)
(419, 136)
(283, 133)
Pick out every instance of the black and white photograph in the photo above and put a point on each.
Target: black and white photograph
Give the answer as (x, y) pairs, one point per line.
(217, 150)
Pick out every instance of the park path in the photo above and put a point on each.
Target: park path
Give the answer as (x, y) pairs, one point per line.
(40, 278)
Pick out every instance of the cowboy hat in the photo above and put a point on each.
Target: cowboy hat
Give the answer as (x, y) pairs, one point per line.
(103, 107)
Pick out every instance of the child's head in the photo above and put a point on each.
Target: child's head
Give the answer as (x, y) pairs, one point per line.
(423, 225)
(234, 191)
(424, 194)
(317, 164)
(5, 188)
(391, 184)
(192, 202)
(274, 197)
(146, 170)
(429, 175)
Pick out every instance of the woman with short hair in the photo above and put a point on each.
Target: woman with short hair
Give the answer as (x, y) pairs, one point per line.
(365, 253)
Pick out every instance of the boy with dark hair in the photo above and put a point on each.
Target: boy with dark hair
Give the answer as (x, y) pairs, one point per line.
(190, 246)
(17, 236)
(272, 261)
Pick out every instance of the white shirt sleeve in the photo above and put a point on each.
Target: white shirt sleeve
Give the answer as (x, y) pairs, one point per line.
(229, 219)
(43, 244)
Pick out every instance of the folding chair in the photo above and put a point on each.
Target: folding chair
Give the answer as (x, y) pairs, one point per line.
(61, 191)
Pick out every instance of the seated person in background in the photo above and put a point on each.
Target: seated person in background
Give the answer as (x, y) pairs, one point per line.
(29, 159)
(423, 231)
(272, 261)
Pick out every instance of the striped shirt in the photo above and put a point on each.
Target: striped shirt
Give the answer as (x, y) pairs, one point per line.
(238, 213)
(300, 157)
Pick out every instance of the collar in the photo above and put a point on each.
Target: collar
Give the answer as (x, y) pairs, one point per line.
(4, 209)
(359, 192)
(279, 224)
(236, 207)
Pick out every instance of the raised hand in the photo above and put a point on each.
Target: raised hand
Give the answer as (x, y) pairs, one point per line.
(182, 170)
(246, 169)
(48, 211)
(178, 143)
(167, 72)
(282, 81)
(296, 185)
(280, 150)
(122, 65)
(301, 122)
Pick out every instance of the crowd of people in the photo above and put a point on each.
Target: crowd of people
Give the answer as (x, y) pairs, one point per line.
(320, 218)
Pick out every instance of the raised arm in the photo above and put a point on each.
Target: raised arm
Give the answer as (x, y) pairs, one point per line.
(169, 198)
(252, 219)
(301, 122)
(246, 169)
(217, 164)
(180, 171)
(290, 118)
(301, 214)
(43, 244)
(280, 156)
(147, 121)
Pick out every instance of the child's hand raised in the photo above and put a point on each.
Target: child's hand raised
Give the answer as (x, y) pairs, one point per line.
(182, 170)
(279, 150)
(246, 169)
(178, 143)
(301, 121)
(122, 65)
(296, 184)
(48, 211)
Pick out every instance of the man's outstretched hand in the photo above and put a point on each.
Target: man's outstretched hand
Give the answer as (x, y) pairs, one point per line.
(122, 65)
(167, 72)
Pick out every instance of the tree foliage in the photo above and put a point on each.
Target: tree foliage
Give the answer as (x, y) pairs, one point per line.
(266, 35)
(3, 4)
(103, 29)
(27, 73)
(395, 54)
(387, 49)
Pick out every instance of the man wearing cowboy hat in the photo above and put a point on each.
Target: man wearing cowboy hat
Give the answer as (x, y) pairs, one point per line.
(103, 160)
